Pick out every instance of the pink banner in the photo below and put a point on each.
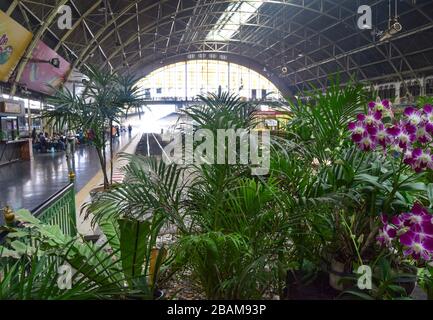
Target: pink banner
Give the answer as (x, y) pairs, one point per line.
(39, 75)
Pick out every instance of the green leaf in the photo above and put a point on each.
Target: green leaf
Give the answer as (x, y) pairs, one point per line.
(110, 229)
(430, 193)
(22, 248)
(134, 237)
(26, 216)
(6, 253)
(359, 294)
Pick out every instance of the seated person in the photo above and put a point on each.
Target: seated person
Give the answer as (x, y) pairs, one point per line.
(60, 146)
(43, 143)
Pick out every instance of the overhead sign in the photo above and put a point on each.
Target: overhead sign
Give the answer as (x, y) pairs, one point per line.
(75, 82)
(11, 107)
(271, 122)
(14, 40)
(41, 76)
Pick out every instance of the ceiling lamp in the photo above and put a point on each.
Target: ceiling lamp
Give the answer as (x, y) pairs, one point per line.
(394, 25)
(55, 62)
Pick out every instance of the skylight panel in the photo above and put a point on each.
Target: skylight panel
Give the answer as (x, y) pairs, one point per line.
(236, 14)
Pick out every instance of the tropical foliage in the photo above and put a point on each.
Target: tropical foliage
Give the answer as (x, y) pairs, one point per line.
(106, 98)
(342, 189)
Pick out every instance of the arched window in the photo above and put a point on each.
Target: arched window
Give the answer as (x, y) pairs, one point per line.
(429, 87)
(414, 88)
(185, 80)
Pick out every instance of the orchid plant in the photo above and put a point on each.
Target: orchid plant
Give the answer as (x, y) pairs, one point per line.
(410, 137)
(404, 141)
(407, 139)
(410, 233)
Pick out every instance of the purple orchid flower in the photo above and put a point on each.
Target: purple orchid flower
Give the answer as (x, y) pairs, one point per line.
(387, 233)
(402, 137)
(416, 217)
(379, 106)
(414, 117)
(428, 118)
(367, 142)
(372, 118)
(417, 245)
(358, 129)
(421, 159)
(408, 157)
(384, 107)
(381, 135)
(422, 134)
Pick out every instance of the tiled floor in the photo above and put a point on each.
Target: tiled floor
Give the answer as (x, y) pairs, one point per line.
(27, 184)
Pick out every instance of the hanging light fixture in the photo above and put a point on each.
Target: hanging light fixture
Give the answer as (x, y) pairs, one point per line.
(394, 25)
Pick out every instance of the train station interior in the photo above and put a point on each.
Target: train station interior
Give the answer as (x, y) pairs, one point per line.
(216, 150)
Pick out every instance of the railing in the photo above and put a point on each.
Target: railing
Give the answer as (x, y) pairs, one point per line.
(60, 210)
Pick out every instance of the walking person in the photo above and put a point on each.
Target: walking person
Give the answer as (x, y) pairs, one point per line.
(34, 136)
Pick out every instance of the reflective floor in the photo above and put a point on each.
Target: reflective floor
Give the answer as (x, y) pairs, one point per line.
(27, 184)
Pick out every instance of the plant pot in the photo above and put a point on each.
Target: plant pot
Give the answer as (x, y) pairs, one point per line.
(409, 287)
(429, 293)
(95, 192)
(337, 272)
(301, 285)
(158, 294)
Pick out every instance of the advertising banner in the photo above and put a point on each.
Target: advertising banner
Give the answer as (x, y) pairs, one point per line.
(14, 40)
(41, 76)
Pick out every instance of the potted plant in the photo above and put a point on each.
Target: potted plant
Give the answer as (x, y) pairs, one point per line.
(125, 266)
(105, 99)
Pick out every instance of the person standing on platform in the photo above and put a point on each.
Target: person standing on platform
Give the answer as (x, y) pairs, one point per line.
(70, 151)
(34, 135)
(129, 130)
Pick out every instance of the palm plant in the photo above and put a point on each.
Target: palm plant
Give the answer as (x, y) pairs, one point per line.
(124, 266)
(106, 98)
(232, 234)
(238, 231)
(319, 125)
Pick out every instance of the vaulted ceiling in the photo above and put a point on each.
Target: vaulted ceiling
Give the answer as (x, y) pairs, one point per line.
(297, 41)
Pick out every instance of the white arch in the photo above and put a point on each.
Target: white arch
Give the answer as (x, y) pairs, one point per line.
(186, 79)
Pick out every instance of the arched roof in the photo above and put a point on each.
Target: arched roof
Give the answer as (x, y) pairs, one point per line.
(310, 39)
